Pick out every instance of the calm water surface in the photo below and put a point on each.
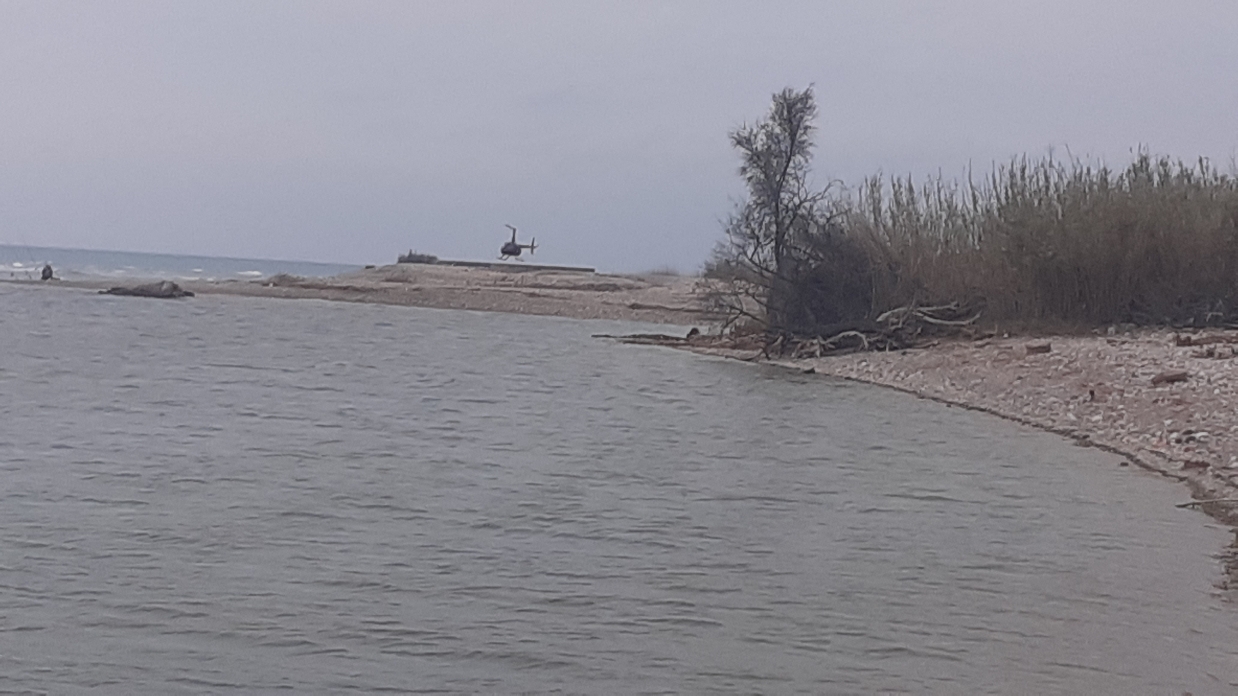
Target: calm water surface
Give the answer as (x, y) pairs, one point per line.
(21, 262)
(251, 496)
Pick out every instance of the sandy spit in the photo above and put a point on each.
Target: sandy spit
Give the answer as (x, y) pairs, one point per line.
(650, 298)
(1108, 391)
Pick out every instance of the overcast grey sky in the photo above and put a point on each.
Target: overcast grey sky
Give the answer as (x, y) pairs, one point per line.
(350, 131)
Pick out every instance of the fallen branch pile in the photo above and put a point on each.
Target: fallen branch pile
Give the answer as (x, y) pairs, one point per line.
(897, 329)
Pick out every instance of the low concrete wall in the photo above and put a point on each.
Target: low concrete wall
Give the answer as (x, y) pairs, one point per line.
(513, 267)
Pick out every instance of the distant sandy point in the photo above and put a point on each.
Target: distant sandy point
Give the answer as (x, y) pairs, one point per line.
(663, 299)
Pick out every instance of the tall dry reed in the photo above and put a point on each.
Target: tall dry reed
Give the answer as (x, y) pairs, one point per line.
(1049, 242)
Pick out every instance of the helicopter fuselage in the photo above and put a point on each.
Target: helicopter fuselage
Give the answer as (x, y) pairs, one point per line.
(513, 248)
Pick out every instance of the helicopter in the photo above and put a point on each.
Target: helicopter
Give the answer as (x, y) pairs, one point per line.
(512, 249)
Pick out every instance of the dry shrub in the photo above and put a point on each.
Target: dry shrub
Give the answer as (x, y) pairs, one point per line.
(416, 257)
(1036, 242)
(829, 282)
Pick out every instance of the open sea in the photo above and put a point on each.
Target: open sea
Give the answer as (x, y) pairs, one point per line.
(18, 262)
(225, 495)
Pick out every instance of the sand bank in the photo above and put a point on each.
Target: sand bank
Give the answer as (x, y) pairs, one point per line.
(1108, 391)
(658, 299)
(648, 298)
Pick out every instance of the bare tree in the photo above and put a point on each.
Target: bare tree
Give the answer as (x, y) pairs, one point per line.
(785, 263)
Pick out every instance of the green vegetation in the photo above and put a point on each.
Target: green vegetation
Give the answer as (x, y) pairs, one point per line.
(1035, 243)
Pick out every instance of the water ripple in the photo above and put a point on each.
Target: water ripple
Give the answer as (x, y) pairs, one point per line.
(254, 496)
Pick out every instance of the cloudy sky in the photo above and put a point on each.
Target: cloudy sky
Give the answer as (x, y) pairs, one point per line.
(350, 131)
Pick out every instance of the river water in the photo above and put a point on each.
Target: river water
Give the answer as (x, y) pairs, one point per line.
(255, 496)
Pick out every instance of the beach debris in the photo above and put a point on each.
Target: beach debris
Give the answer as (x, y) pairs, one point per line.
(1181, 340)
(1188, 436)
(665, 308)
(954, 314)
(1199, 503)
(1038, 348)
(1214, 352)
(651, 339)
(1170, 377)
(164, 289)
(897, 329)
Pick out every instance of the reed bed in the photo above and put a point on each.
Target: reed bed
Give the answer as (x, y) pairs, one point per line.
(1044, 242)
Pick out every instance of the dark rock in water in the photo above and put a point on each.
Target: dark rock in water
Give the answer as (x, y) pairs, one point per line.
(162, 289)
(48, 273)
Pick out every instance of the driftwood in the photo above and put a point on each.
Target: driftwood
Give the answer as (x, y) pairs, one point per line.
(668, 308)
(897, 329)
(164, 289)
(694, 337)
(1197, 503)
(941, 315)
(647, 339)
(1170, 377)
